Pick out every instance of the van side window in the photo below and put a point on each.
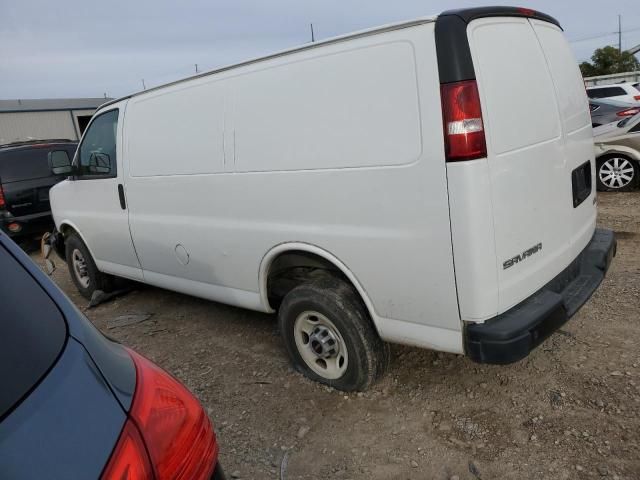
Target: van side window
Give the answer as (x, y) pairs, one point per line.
(97, 152)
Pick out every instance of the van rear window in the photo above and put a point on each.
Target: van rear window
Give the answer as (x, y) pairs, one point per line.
(27, 164)
(32, 332)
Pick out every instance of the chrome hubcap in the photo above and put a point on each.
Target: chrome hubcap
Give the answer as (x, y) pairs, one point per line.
(80, 268)
(320, 345)
(616, 172)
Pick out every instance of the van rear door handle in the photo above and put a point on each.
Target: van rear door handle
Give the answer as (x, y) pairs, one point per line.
(123, 204)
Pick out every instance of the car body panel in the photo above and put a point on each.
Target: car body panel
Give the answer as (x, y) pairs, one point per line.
(625, 140)
(26, 179)
(625, 92)
(606, 111)
(30, 341)
(111, 358)
(228, 213)
(101, 222)
(67, 427)
(529, 162)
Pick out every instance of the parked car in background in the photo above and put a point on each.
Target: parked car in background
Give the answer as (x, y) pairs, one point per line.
(25, 180)
(74, 404)
(618, 155)
(624, 92)
(322, 183)
(605, 111)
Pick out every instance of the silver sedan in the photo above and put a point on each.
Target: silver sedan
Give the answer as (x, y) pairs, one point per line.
(618, 155)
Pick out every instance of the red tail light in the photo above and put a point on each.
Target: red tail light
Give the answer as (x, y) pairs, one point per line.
(129, 460)
(628, 112)
(463, 127)
(175, 440)
(3, 202)
(637, 97)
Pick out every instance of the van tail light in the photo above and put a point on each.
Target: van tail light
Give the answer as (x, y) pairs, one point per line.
(637, 97)
(168, 434)
(463, 126)
(628, 112)
(3, 202)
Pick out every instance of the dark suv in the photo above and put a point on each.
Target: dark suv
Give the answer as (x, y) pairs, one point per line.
(25, 180)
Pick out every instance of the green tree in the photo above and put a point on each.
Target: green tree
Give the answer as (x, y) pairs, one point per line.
(608, 60)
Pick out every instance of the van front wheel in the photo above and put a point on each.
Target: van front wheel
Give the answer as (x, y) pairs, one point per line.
(84, 273)
(329, 336)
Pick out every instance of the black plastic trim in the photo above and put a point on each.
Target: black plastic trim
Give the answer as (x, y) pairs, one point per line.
(123, 203)
(452, 45)
(511, 336)
(218, 473)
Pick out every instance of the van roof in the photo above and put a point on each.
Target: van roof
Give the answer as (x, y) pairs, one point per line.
(466, 15)
(300, 48)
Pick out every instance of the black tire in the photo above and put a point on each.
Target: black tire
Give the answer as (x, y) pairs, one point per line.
(335, 299)
(94, 278)
(604, 169)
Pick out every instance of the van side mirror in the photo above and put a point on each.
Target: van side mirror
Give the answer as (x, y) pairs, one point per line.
(60, 163)
(99, 163)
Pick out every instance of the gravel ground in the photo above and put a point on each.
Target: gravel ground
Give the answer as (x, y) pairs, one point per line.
(570, 410)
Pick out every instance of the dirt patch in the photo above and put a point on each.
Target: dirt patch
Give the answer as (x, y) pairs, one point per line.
(570, 410)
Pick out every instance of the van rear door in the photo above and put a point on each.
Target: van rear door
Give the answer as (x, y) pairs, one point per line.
(540, 158)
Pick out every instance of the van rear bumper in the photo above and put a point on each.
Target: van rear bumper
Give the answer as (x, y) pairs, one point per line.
(510, 336)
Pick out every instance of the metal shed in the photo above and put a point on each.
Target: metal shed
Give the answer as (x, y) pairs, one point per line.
(46, 118)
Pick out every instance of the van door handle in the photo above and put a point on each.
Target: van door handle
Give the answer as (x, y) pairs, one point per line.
(123, 204)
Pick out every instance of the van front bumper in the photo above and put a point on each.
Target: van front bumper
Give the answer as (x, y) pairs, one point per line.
(510, 336)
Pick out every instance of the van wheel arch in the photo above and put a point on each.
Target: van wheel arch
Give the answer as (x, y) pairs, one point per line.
(67, 229)
(288, 265)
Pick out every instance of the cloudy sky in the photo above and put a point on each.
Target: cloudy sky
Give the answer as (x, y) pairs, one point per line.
(86, 48)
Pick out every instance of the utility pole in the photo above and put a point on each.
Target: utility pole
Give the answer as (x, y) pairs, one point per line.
(144, 87)
(196, 68)
(313, 36)
(620, 33)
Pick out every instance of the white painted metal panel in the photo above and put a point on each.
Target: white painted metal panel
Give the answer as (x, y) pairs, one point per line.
(352, 108)
(177, 131)
(385, 217)
(530, 157)
(91, 206)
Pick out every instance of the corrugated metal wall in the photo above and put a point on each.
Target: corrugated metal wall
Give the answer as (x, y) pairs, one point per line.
(20, 126)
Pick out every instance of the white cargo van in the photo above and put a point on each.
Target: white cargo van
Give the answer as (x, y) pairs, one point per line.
(428, 183)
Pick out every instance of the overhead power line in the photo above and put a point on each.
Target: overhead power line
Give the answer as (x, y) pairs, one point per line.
(603, 35)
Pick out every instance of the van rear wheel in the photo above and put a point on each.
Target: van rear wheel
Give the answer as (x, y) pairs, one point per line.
(617, 173)
(84, 273)
(329, 336)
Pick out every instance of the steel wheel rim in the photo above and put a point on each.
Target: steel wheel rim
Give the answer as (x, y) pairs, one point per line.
(320, 345)
(80, 268)
(616, 172)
